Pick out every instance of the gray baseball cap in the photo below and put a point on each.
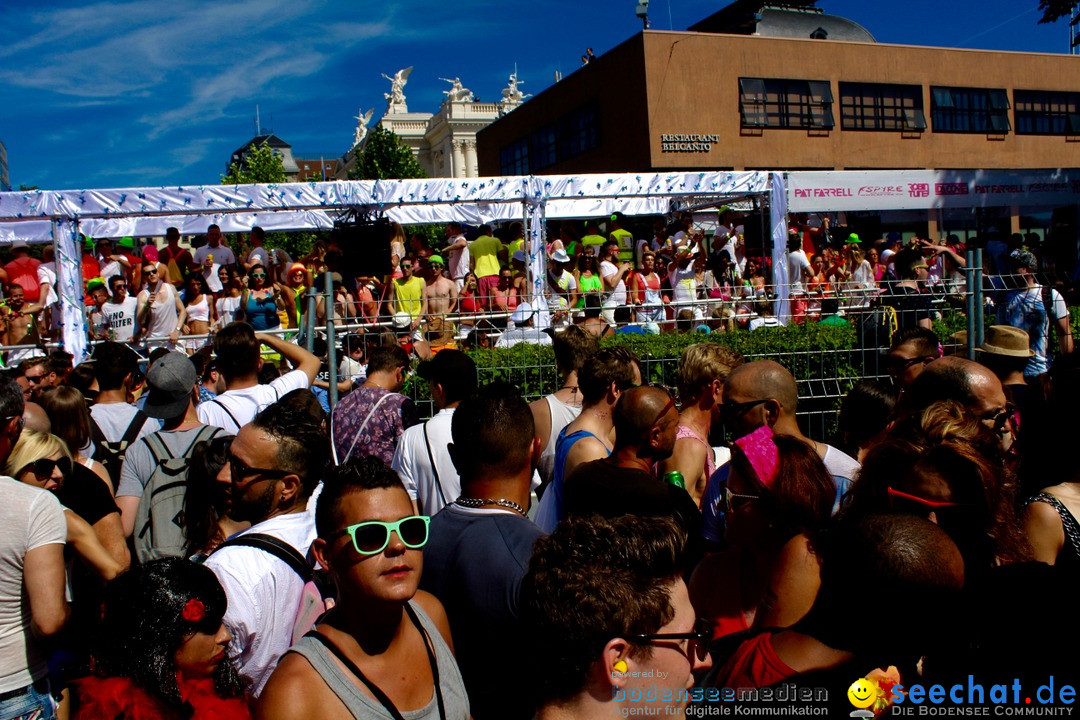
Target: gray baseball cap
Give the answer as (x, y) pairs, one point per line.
(170, 380)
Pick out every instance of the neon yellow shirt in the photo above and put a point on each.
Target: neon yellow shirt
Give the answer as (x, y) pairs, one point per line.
(626, 244)
(407, 296)
(484, 251)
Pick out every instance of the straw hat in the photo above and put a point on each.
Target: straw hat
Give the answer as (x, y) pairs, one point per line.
(1001, 340)
(1006, 340)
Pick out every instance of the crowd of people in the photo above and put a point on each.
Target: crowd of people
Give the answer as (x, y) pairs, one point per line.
(180, 542)
(198, 533)
(472, 287)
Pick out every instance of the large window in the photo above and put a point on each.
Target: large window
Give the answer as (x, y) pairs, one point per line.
(514, 159)
(572, 134)
(1044, 112)
(878, 106)
(969, 110)
(778, 103)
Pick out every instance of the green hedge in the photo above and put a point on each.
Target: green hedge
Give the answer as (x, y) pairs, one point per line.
(810, 352)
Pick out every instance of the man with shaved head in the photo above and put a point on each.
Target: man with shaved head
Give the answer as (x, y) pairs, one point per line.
(759, 393)
(623, 483)
(972, 385)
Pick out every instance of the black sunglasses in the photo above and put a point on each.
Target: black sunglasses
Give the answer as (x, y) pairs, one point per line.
(732, 410)
(44, 467)
(239, 471)
(700, 637)
(1001, 417)
(895, 363)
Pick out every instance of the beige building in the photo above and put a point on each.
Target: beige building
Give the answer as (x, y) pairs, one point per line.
(666, 100)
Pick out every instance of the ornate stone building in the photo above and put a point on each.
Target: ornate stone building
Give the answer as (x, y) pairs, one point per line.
(444, 142)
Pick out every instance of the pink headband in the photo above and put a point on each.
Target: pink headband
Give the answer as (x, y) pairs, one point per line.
(761, 451)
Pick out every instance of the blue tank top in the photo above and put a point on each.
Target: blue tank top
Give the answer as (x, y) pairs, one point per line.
(551, 511)
(261, 313)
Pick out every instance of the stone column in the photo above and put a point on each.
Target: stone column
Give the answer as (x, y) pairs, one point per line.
(470, 159)
(458, 169)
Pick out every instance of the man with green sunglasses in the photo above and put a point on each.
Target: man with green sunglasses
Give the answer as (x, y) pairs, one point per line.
(393, 639)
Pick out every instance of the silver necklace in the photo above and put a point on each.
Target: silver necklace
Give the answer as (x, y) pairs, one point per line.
(480, 502)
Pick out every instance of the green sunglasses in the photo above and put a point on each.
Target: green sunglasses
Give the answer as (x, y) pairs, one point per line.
(372, 537)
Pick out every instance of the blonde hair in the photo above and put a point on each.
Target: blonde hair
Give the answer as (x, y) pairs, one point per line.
(700, 365)
(34, 446)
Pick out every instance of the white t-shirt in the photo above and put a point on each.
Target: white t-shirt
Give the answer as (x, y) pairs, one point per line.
(121, 319)
(411, 462)
(243, 405)
(349, 368)
(46, 273)
(164, 316)
(226, 309)
(797, 264)
(616, 296)
(108, 268)
(263, 595)
(532, 335)
(458, 260)
(29, 518)
(222, 256)
(257, 255)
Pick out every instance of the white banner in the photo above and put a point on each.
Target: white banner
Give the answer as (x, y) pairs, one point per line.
(926, 189)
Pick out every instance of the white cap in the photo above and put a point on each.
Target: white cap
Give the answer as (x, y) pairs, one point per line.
(522, 313)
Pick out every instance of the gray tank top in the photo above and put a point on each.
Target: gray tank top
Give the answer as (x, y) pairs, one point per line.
(364, 707)
(561, 416)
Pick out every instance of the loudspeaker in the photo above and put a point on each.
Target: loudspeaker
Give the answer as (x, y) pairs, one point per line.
(365, 246)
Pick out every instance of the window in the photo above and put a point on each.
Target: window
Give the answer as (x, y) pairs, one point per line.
(514, 159)
(775, 103)
(876, 106)
(1043, 112)
(572, 134)
(969, 110)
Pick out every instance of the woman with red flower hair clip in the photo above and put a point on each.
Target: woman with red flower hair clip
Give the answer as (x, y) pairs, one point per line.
(778, 493)
(161, 650)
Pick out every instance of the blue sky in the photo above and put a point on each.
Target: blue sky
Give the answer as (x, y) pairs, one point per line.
(122, 94)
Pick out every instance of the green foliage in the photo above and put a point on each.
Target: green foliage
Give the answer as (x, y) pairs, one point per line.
(28, 188)
(385, 155)
(1054, 10)
(259, 165)
(810, 352)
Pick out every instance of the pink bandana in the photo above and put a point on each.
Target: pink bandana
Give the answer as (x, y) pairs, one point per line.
(761, 451)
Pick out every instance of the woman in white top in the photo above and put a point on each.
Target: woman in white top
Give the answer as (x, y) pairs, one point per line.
(200, 311)
(228, 304)
(681, 276)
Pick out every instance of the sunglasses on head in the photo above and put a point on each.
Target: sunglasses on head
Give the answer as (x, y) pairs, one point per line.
(44, 467)
(372, 537)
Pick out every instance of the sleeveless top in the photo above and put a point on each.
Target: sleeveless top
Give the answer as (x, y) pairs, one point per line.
(710, 462)
(261, 313)
(561, 416)
(1069, 557)
(199, 311)
(363, 706)
(592, 284)
(551, 510)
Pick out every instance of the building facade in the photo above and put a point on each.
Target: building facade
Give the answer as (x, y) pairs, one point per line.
(685, 100)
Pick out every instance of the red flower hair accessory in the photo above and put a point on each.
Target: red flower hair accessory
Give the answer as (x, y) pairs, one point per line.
(194, 611)
(761, 451)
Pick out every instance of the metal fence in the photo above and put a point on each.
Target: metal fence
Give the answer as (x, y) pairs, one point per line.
(824, 375)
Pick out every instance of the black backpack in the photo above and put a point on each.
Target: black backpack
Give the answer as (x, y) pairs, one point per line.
(111, 454)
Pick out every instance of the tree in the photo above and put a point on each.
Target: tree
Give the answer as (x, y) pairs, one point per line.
(258, 165)
(1054, 10)
(385, 155)
(262, 165)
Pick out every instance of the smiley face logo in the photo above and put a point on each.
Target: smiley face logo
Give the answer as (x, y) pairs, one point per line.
(862, 693)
